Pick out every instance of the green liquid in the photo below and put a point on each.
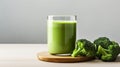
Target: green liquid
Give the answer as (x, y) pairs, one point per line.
(61, 37)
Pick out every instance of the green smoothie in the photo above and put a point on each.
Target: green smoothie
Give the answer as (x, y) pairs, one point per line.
(61, 36)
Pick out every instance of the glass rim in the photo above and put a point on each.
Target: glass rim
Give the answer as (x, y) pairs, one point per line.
(60, 15)
(50, 17)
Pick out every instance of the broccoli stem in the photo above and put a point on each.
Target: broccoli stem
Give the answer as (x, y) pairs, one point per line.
(101, 50)
(76, 52)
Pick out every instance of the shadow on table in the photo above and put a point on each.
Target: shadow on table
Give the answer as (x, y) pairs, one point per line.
(118, 59)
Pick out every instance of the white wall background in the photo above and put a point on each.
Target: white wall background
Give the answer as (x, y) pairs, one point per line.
(24, 21)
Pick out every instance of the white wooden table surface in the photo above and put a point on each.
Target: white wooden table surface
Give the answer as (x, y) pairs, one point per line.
(24, 55)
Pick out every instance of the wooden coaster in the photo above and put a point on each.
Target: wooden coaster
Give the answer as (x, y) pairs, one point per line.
(45, 56)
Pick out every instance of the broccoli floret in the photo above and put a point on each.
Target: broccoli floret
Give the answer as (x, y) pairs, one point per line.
(103, 41)
(84, 48)
(105, 54)
(107, 50)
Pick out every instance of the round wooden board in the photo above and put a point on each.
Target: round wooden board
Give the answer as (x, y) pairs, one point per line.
(45, 56)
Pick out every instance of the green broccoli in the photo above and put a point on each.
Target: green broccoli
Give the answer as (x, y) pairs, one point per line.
(103, 41)
(106, 50)
(84, 48)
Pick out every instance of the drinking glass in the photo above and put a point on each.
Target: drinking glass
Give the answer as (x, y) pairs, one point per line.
(61, 34)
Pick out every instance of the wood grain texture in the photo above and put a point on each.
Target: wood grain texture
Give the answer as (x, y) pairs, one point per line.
(45, 56)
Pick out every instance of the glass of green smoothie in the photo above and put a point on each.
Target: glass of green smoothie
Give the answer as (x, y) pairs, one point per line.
(61, 33)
